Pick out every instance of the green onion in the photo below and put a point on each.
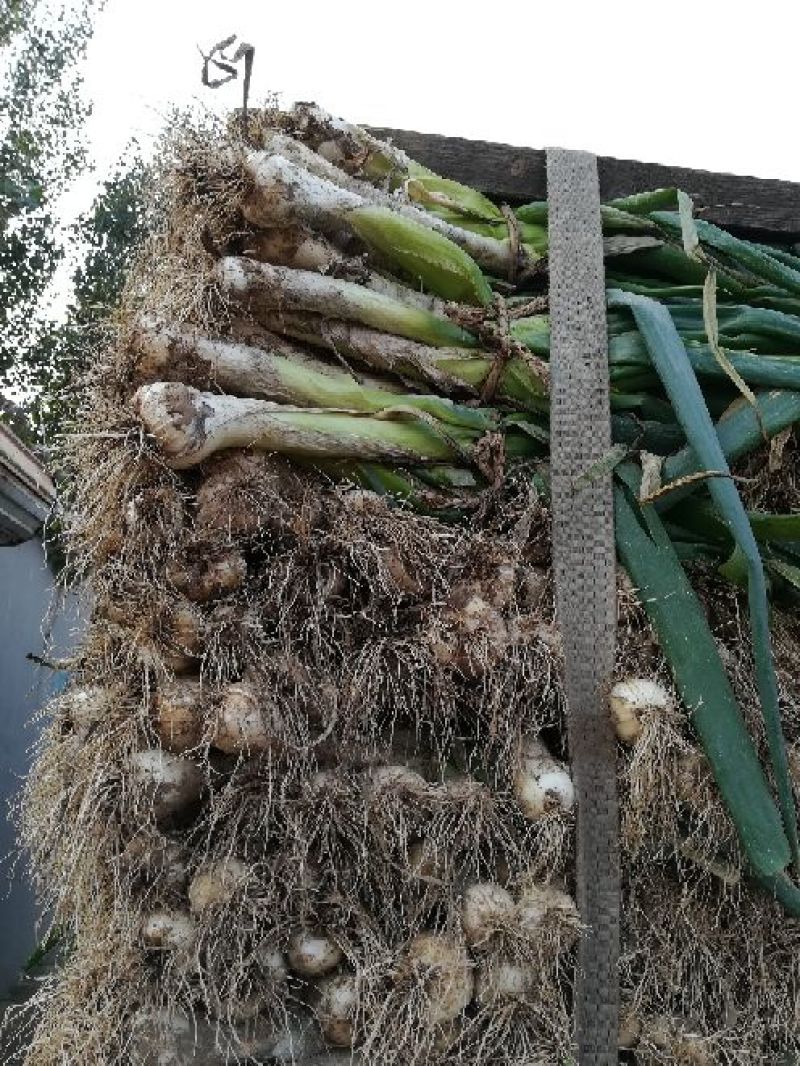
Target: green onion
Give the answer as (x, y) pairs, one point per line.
(669, 357)
(672, 606)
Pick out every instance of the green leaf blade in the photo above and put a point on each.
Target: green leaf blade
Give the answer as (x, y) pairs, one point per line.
(672, 606)
(433, 259)
(670, 360)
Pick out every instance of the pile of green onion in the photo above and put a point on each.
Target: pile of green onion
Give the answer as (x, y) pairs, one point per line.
(407, 351)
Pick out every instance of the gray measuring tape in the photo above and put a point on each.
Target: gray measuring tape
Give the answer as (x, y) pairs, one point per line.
(585, 577)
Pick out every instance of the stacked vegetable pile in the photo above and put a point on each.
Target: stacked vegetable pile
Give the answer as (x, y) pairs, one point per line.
(310, 788)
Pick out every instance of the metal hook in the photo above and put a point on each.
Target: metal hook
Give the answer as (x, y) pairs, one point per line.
(227, 64)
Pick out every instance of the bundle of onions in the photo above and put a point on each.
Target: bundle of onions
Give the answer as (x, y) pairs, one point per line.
(347, 233)
(239, 719)
(338, 796)
(501, 931)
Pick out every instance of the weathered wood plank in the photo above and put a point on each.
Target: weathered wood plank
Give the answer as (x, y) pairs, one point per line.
(761, 206)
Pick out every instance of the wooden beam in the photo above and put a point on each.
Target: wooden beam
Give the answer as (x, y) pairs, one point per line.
(761, 207)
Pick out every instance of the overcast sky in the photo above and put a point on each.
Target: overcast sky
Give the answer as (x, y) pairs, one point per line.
(690, 83)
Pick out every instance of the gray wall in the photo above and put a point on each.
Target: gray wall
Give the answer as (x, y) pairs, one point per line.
(32, 619)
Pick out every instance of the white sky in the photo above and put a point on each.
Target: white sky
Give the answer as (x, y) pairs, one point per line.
(699, 84)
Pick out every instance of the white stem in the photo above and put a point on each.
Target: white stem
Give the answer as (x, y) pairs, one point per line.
(381, 351)
(238, 368)
(287, 191)
(314, 122)
(265, 289)
(295, 247)
(190, 425)
(281, 144)
(395, 290)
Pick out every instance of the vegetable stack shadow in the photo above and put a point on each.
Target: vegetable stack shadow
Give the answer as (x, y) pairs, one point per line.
(308, 798)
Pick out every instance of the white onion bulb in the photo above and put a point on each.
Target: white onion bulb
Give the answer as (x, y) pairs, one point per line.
(87, 706)
(546, 905)
(313, 954)
(170, 930)
(215, 883)
(630, 699)
(542, 784)
(244, 725)
(179, 717)
(186, 626)
(485, 909)
(447, 972)
(172, 782)
(272, 962)
(497, 981)
(337, 1009)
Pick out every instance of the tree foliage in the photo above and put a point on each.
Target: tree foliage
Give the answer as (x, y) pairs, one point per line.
(42, 150)
(108, 234)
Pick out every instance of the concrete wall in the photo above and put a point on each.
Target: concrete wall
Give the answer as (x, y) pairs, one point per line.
(31, 620)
